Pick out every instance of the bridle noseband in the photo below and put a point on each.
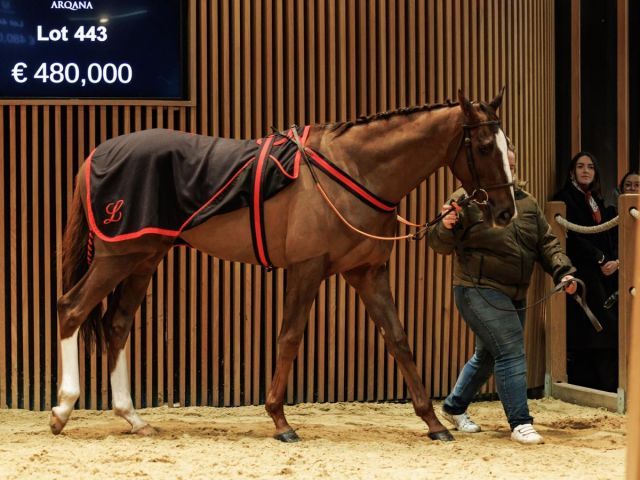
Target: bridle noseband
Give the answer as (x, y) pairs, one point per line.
(479, 194)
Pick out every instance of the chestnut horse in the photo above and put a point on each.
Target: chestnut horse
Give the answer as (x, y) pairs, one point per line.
(389, 154)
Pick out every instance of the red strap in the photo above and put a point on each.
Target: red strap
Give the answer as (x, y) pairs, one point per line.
(350, 184)
(257, 222)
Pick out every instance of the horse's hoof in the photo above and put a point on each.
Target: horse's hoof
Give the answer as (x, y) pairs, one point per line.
(289, 436)
(145, 431)
(56, 424)
(444, 435)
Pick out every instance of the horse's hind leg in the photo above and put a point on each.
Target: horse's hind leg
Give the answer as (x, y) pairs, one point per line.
(303, 281)
(119, 319)
(73, 308)
(372, 284)
(69, 387)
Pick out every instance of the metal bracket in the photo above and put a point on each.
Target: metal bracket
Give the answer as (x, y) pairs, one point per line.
(622, 400)
(547, 385)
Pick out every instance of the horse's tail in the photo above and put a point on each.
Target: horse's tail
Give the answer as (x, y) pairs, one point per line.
(77, 250)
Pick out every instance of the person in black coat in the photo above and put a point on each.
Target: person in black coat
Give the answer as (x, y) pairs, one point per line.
(592, 357)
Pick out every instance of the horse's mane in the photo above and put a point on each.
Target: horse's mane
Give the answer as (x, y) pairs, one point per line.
(341, 127)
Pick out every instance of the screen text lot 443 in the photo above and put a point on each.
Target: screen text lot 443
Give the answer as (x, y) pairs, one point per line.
(91, 34)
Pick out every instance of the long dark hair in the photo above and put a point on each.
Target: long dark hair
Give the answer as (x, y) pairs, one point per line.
(594, 186)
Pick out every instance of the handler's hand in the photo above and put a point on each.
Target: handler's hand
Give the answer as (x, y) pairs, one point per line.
(571, 287)
(452, 217)
(610, 267)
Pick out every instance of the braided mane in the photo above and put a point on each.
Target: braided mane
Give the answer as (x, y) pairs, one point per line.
(341, 127)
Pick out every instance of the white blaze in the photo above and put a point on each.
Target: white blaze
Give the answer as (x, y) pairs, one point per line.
(501, 142)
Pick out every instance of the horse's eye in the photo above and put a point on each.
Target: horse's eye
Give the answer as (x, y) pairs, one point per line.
(485, 149)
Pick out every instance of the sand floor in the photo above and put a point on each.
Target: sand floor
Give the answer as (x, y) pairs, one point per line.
(340, 441)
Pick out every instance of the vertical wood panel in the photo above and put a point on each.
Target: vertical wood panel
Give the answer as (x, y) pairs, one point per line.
(257, 328)
(5, 313)
(4, 374)
(236, 333)
(25, 240)
(13, 278)
(50, 339)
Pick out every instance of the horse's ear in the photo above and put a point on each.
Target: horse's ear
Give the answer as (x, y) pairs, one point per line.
(496, 102)
(466, 106)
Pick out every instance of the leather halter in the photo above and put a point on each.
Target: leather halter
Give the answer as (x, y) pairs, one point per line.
(479, 194)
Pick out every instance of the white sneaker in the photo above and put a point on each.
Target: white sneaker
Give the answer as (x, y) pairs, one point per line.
(526, 435)
(462, 422)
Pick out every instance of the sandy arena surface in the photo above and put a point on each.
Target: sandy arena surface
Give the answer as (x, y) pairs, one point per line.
(350, 441)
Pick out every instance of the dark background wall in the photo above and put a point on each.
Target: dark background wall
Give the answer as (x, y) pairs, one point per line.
(598, 85)
(598, 74)
(563, 87)
(634, 82)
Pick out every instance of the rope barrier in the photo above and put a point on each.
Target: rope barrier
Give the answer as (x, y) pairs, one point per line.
(563, 222)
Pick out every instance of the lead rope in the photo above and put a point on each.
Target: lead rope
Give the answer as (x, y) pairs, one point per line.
(579, 299)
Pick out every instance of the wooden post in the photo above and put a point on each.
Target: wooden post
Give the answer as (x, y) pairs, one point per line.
(555, 383)
(630, 320)
(627, 229)
(555, 321)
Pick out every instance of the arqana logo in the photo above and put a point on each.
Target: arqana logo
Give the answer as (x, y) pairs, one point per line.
(68, 5)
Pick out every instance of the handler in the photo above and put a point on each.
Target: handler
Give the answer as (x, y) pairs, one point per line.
(493, 268)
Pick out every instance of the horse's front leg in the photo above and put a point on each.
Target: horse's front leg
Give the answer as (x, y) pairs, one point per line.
(372, 284)
(303, 281)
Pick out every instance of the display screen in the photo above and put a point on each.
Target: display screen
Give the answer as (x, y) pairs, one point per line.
(98, 49)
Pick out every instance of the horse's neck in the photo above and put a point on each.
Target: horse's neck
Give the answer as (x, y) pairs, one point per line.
(394, 156)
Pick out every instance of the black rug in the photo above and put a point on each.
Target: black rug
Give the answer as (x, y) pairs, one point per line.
(164, 181)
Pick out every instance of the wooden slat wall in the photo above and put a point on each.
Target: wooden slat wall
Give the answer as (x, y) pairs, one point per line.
(206, 332)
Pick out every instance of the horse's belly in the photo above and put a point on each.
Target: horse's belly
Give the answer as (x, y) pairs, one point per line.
(224, 236)
(298, 226)
(228, 236)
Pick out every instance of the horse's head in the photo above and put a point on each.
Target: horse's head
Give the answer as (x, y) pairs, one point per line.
(481, 161)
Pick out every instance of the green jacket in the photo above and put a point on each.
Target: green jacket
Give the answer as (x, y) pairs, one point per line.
(501, 258)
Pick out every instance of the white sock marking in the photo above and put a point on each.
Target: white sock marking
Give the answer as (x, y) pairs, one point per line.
(120, 389)
(70, 386)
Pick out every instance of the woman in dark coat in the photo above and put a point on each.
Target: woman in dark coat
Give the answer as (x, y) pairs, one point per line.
(592, 357)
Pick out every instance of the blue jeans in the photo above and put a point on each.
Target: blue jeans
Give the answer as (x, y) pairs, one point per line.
(499, 350)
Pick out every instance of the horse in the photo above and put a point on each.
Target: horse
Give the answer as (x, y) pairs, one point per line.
(386, 154)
